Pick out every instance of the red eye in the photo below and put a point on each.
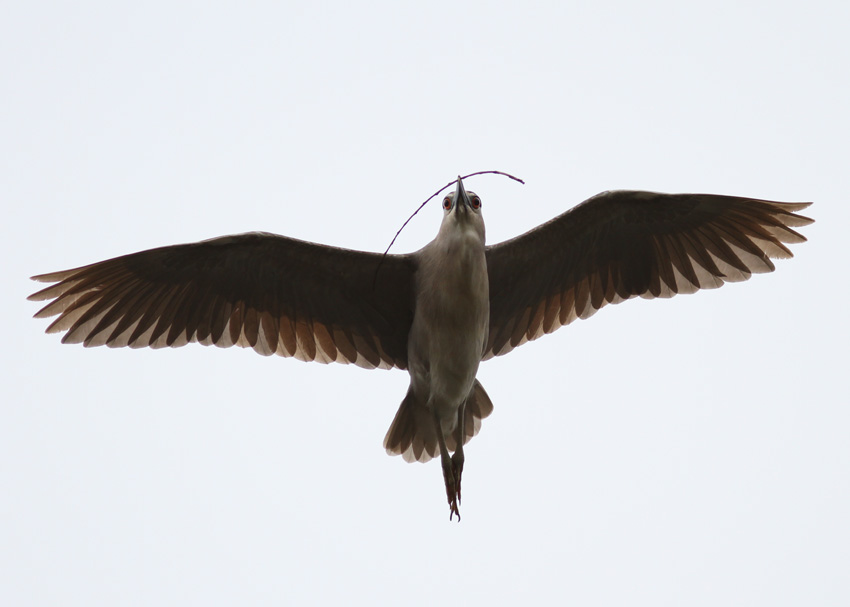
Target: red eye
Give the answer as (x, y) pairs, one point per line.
(476, 202)
(447, 203)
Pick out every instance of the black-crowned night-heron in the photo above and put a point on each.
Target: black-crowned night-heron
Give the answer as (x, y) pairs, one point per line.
(438, 312)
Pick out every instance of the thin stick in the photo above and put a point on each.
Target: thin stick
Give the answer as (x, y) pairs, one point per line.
(435, 194)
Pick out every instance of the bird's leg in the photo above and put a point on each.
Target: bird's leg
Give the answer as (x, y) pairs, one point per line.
(457, 457)
(448, 471)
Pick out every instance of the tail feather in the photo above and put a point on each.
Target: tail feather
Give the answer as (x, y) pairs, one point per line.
(413, 434)
(478, 406)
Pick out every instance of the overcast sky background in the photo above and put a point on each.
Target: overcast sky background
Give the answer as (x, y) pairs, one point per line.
(692, 451)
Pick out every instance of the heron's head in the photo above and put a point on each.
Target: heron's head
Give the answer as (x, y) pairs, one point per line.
(462, 211)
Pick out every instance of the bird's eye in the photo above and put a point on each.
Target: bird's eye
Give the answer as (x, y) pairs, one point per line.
(476, 202)
(447, 203)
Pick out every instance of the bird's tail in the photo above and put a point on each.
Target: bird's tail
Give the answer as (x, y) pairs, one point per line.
(413, 434)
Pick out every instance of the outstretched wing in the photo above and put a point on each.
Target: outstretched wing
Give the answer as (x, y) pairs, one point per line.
(274, 294)
(621, 244)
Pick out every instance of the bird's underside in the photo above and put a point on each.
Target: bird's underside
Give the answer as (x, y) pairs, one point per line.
(436, 313)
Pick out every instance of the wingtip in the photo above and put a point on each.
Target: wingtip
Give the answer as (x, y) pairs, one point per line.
(38, 295)
(51, 277)
(794, 207)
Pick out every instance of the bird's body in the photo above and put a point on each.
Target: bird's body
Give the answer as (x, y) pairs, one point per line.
(449, 329)
(438, 312)
(450, 326)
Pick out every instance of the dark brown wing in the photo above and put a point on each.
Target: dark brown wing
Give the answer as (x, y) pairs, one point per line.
(274, 294)
(618, 245)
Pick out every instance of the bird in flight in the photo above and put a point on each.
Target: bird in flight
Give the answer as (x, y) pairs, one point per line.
(436, 313)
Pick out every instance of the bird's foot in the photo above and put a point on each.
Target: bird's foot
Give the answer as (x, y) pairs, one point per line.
(457, 468)
(451, 477)
(452, 469)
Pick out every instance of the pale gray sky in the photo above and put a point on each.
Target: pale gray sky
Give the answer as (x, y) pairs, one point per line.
(684, 452)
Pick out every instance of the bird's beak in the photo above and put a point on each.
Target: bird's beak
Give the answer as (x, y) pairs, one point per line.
(461, 197)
